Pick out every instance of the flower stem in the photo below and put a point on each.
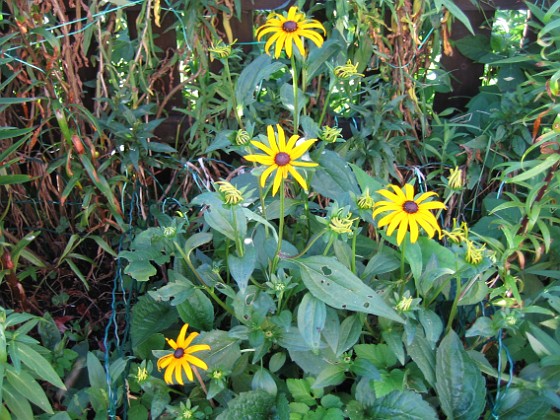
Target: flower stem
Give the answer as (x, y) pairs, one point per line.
(202, 384)
(233, 99)
(295, 83)
(455, 305)
(325, 107)
(280, 227)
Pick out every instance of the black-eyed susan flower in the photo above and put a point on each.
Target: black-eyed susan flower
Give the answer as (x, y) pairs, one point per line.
(281, 157)
(287, 31)
(181, 359)
(407, 212)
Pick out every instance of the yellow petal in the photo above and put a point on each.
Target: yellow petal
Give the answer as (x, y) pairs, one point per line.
(196, 361)
(197, 347)
(164, 361)
(413, 227)
(396, 220)
(402, 230)
(281, 138)
(292, 142)
(181, 337)
(399, 193)
(394, 198)
(299, 45)
(168, 374)
(424, 196)
(179, 372)
(189, 340)
(300, 149)
(297, 177)
(266, 173)
(279, 45)
(432, 205)
(304, 164)
(272, 139)
(261, 146)
(277, 180)
(409, 192)
(188, 370)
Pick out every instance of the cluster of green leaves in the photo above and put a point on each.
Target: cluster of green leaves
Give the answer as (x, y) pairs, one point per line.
(341, 325)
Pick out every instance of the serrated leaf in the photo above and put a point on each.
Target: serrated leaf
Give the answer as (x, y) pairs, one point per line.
(389, 382)
(330, 281)
(379, 354)
(403, 405)
(301, 391)
(459, 383)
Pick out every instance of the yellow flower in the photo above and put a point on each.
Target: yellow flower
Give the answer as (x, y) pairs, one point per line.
(455, 180)
(407, 212)
(220, 50)
(231, 195)
(347, 71)
(458, 234)
(282, 157)
(330, 134)
(181, 359)
(142, 375)
(474, 254)
(365, 201)
(289, 30)
(341, 224)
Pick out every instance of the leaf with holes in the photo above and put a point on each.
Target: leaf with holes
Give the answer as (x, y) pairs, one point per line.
(333, 283)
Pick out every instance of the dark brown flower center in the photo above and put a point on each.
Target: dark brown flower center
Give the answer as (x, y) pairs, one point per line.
(410, 207)
(289, 26)
(282, 159)
(178, 353)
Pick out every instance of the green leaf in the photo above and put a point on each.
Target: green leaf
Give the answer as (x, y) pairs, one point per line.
(381, 263)
(522, 404)
(332, 375)
(38, 364)
(389, 382)
(311, 317)
(28, 386)
(149, 317)
(538, 167)
(337, 286)
(252, 75)
(14, 179)
(456, 12)
(301, 390)
(241, 268)
(424, 356)
(334, 178)
(379, 354)
(264, 380)
(541, 343)
(197, 310)
(459, 384)
(350, 332)
(393, 339)
(17, 404)
(403, 405)
(96, 373)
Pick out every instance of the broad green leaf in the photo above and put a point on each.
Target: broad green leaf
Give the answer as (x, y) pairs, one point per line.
(330, 281)
(389, 382)
(483, 327)
(332, 375)
(241, 268)
(276, 361)
(301, 390)
(149, 317)
(311, 317)
(413, 256)
(252, 75)
(452, 7)
(28, 386)
(393, 338)
(225, 351)
(379, 354)
(350, 332)
(541, 343)
(522, 404)
(424, 356)
(334, 178)
(432, 323)
(96, 372)
(262, 379)
(17, 404)
(197, 310)
(459, 384)
(38, 364)
(403, 405)
(381, 263)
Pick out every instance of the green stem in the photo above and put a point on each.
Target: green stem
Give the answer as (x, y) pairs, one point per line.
(233, 100)
(402, 279)
(238, 239)
(329, 244)
(310, 244)
(325, 107)
(280, 227)
(295, 83)
(354, 241)
(454, 308)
